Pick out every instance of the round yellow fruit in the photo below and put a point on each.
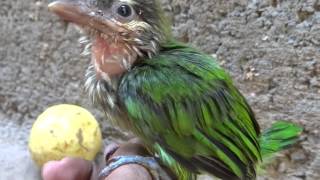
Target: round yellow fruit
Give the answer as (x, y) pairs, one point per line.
(64, 131)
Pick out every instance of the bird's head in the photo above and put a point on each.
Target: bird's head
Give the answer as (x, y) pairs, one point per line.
(121, 31)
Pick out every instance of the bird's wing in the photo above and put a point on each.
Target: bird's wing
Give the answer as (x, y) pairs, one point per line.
(184, 102)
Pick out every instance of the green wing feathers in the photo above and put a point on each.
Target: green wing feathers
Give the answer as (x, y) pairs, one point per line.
(278, 137)
(185, 103)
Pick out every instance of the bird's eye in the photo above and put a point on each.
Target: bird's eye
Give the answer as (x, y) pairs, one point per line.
(124, 10)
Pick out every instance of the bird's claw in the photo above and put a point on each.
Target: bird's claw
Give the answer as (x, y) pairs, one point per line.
(148, 162)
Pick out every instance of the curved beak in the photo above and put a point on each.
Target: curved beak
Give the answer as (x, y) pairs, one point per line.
(79, 13)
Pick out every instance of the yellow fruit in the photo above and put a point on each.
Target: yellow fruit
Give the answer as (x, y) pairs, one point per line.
(64, 130)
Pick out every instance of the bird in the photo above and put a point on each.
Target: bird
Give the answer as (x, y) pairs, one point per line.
(177, 99)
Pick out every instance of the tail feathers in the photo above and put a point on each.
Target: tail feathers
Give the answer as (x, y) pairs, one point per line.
(278, 137)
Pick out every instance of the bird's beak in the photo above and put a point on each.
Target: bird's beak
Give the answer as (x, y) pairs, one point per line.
(79, 13)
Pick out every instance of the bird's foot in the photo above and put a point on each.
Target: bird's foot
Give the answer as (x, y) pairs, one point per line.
(148, 162)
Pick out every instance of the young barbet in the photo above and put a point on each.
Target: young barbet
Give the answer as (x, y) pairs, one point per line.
(178, 100)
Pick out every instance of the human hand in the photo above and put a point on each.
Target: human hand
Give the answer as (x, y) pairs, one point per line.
(79, 169)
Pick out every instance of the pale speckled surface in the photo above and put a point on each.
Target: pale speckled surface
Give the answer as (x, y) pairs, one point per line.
(270, 47)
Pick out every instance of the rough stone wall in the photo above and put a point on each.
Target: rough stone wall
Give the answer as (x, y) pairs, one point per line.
(270, 47)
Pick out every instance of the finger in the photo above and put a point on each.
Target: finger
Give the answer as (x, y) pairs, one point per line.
(49, 170)
(67, 169)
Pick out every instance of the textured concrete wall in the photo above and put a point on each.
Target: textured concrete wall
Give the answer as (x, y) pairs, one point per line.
(270, 47)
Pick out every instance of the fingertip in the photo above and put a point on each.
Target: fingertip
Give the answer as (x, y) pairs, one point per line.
(68, 168)
(49, 170)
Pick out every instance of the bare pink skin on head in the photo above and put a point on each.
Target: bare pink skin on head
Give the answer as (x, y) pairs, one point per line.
(110, 59)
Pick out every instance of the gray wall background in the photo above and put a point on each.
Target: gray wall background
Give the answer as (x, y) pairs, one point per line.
(270, 47)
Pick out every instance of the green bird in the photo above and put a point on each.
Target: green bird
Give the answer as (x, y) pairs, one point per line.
(175, 98)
